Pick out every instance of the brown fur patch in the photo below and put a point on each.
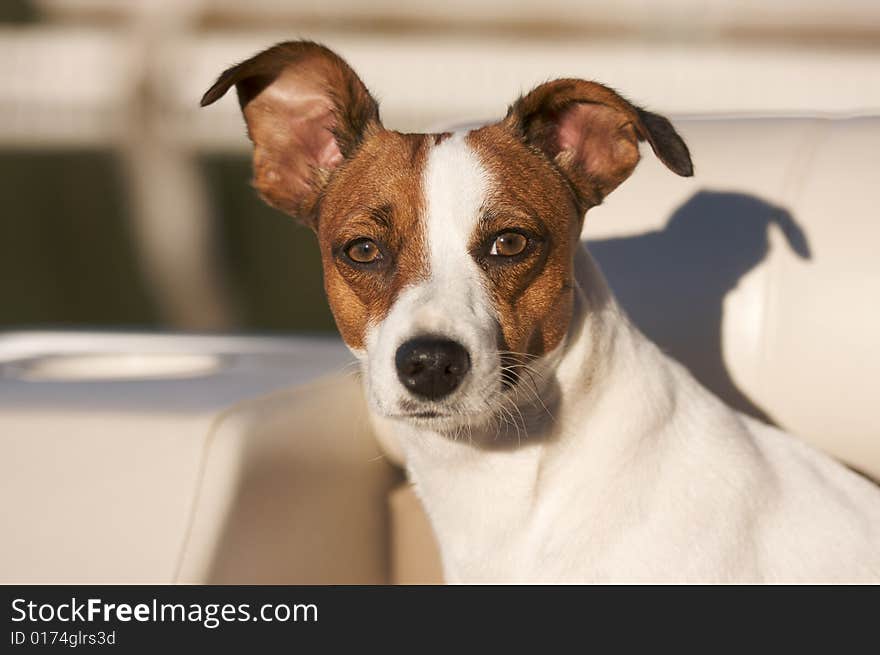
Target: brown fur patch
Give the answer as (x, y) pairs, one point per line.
(591, 133)
(306, 110)
(379, 195)
(533, 296)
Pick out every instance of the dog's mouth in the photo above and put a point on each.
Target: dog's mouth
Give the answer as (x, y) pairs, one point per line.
(409, 408)
(427, 418)
(433, 419)
(446, 419)
(424, 415)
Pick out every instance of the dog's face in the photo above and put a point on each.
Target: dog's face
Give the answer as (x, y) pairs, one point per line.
(448, 258)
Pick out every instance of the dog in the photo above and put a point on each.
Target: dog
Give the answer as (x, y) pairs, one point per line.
(548, 439)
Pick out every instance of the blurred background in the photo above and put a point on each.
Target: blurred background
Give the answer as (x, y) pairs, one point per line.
(122, 205)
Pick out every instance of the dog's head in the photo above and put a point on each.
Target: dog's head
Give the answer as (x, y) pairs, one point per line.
(448, 258)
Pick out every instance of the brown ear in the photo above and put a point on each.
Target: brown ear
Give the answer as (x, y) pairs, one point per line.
(306, 112)
(592, 134)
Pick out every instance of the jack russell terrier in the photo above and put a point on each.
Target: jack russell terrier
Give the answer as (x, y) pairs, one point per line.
(548, 439)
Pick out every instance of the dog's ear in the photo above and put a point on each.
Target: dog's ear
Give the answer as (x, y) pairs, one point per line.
(306, 112)
(592, 134)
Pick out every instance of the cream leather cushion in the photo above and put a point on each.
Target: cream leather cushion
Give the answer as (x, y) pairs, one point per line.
(120, 464)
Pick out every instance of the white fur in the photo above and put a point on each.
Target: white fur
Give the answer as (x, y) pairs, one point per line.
(641, 475)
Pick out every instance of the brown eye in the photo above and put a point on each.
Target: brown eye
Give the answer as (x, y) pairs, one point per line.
(509, 244)
(363, 251)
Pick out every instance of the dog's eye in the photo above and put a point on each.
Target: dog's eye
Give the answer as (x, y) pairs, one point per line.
(509, 244)
(363, 251)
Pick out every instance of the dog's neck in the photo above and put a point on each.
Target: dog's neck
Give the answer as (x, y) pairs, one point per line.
(482, 484)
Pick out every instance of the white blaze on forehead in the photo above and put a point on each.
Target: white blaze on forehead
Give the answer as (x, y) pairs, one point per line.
(453, 301)
(456, 184)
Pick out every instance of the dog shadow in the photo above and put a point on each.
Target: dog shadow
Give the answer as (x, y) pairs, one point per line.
(714, 238)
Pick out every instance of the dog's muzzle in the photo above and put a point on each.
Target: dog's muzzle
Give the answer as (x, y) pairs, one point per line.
(431, 367)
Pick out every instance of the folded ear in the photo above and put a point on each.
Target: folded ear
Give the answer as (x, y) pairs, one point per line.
(306, 112)
(592, 134)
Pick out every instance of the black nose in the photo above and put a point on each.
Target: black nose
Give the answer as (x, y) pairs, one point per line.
(431, 367)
